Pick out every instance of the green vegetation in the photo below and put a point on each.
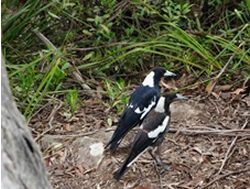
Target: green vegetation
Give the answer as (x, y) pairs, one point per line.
(72, 99)
(117, 94)
(44, 42)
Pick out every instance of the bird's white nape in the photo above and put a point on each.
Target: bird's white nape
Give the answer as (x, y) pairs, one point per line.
(131, 106)
(149, 80)
(160, 105)
(160, 129)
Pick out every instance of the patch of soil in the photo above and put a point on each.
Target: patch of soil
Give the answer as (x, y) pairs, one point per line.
(206, 132)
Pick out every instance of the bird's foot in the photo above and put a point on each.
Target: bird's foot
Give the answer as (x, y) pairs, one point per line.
(164, 166)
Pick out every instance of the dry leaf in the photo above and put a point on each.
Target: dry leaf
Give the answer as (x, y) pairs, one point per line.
(67, 127)
(237, 91)
(215, 95)
(219, 88)
(169, 86)
(210, 87)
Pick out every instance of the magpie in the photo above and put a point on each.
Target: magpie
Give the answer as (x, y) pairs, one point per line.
(151, 133)
(142, 100)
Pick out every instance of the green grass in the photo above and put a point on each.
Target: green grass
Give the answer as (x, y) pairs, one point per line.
(43, 43)
(72, 99)
(117, 94)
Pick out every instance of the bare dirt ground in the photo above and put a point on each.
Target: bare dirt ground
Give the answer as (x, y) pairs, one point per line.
(208, 146)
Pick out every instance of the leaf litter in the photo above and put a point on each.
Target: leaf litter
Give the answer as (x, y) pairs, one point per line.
(208, 145)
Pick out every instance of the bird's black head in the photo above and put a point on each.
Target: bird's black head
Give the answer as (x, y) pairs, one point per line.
(172, 97)
(154, 77)
(160, 72)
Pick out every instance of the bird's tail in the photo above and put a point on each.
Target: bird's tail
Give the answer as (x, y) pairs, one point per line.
(120, 172)
(120, 132)
(125, 124)
(113, 144)
(116, 138)
(138, 148)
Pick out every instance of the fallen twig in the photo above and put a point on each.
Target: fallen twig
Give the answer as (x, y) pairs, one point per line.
(78, 77)
(213, 82)
(45, 39)
(44, 132)
(63, 136)
(230, 133)
(225, 175)
(98, 47)
(53, 112)
(227, 156)
(51, 117)
(224, 132)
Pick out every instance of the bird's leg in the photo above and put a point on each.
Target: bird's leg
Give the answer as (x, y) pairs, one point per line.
(156, 156)
(158, 171)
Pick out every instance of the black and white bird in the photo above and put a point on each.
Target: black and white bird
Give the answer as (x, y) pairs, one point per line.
(142, 100)
(151, 133)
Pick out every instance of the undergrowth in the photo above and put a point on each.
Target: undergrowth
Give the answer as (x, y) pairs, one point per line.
(44, 43)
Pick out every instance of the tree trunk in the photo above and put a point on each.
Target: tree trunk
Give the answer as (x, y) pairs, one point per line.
(22, 165)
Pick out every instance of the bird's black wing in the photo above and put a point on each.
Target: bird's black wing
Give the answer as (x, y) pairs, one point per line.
(140, 105)
(142, 101)
(135, 152)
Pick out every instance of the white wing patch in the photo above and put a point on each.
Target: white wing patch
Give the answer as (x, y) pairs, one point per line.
(160, 105)
(131, 106)
(145, 109)
(155, 133)
(149, 80)
(138, 111)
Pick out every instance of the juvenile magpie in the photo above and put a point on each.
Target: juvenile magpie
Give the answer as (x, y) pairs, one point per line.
(152, 132)
(142, 100)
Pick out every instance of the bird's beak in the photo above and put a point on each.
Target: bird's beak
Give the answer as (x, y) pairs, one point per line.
(169, 74)
(180, 97)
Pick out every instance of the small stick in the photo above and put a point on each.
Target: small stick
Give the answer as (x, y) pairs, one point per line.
(44, 132)
(52, 114)
(75, 135)
(213, 83)
(51, 117)
(44, 39)
(225, 175)
(232, 132)
(230, 149)
(224, 132)
(99, 47)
